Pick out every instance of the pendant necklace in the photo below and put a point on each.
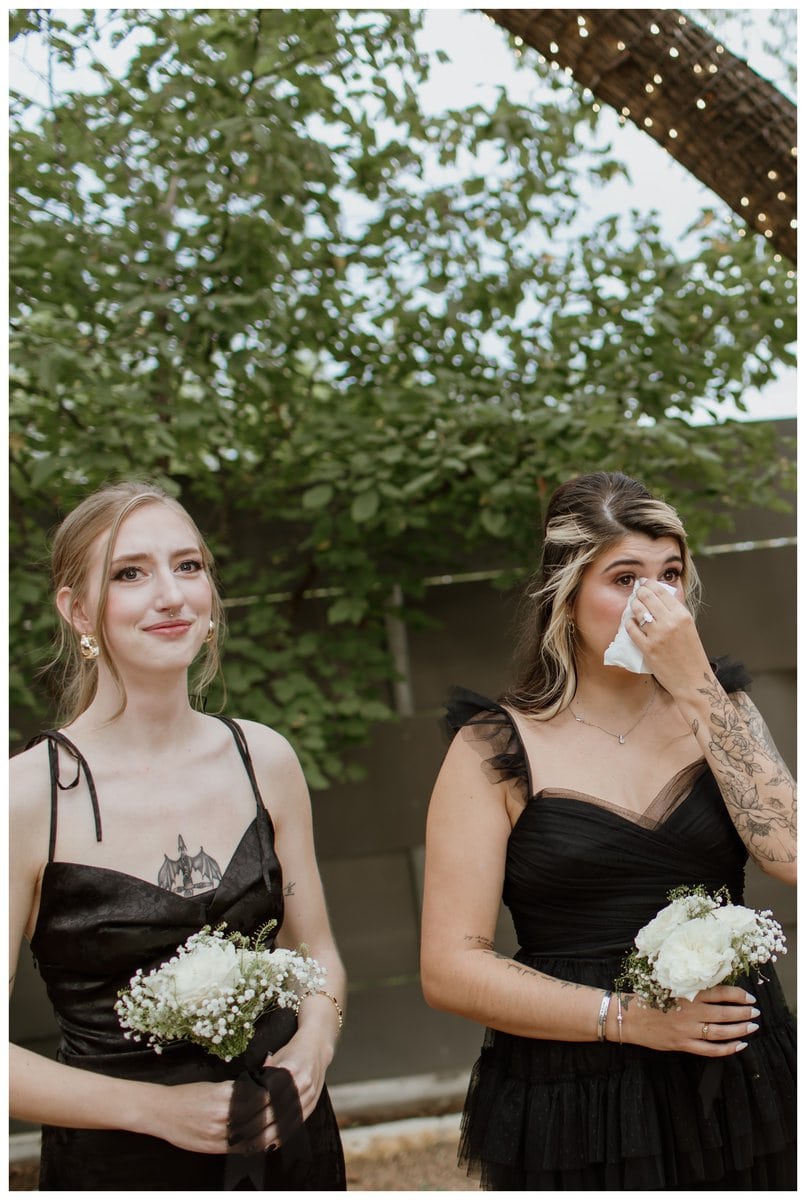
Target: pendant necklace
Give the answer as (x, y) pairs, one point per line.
(618, 736)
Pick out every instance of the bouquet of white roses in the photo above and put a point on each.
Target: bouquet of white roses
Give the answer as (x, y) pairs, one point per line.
(698, 941)
(214, 989)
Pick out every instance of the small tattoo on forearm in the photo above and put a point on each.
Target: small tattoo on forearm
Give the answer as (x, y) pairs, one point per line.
(288, 890)
(522, 969)
(484, 942)
(188, 873)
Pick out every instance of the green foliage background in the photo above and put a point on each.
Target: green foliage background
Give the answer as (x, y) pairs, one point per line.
(354, 338)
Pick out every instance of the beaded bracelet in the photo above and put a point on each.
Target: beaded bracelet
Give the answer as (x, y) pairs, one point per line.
(339, 1009)
(604, 1008)
(619, 1017)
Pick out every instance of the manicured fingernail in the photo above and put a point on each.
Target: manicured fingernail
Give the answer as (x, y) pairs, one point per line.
(748, 999)
(754, 1012)
(752, 1027)
(741, 1046)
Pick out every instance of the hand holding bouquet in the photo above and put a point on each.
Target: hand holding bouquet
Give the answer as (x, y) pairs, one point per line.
(214, 989)
(697, 941)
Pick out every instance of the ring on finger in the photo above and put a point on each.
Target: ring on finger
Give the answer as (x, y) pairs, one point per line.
(646, 619)
(705, 1029)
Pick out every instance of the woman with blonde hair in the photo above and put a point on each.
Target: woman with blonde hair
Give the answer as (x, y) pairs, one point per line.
(134, 824)
(583, 797)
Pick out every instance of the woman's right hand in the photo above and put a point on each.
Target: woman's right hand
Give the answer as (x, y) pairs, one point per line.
(714, 1024)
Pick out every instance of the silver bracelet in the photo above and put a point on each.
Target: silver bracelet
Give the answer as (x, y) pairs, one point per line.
(604, 1007)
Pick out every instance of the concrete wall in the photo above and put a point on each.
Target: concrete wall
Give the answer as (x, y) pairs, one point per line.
(370, 834)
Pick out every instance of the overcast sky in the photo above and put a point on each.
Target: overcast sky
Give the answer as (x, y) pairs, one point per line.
(481, 62)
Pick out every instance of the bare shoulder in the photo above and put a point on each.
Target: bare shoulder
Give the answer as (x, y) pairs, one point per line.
(29, 809)
(464, 775)
(29, 781)
(275, 761)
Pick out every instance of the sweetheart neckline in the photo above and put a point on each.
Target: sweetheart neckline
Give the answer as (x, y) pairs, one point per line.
(206, 897)
(556, 789)
(609, 806)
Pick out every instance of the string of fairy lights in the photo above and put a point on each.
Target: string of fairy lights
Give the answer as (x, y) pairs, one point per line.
(704, 72)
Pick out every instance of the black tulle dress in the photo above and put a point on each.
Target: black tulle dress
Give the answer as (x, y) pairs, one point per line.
(581, 879)
(95, 928)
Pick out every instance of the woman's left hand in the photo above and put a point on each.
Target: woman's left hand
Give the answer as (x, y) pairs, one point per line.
(307, 1066)
(664, 631)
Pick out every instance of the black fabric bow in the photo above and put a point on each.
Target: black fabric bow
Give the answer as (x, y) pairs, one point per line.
(247, 1120)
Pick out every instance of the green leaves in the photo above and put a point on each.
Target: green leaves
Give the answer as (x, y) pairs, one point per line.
(252, 268)
(364, 507)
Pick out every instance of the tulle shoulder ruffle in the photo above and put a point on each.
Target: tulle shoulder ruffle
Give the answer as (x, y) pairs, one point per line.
(732, 674)
(489, 722)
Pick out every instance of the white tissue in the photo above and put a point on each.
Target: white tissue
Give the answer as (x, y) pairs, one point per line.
(622, 651)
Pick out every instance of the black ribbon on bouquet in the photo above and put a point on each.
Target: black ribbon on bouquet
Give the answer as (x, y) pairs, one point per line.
(247, 1120)
(710, 1083)
(712, 1073)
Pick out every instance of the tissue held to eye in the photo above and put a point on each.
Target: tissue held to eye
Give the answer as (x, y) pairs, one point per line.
(622, 651)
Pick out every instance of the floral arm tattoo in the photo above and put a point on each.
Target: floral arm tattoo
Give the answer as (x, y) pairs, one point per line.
(758, 789)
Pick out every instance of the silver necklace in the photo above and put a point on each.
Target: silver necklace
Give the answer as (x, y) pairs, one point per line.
(618, 736)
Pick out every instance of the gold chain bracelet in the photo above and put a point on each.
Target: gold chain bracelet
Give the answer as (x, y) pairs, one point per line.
(332, 998)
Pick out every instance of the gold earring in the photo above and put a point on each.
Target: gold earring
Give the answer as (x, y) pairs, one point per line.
(89, 646)
(210, 632)
(571, 627)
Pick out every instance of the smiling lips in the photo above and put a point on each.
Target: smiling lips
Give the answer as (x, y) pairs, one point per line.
(169, 628)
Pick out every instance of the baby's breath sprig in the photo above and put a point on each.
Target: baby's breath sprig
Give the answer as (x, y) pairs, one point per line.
(213, 990)
(697, 941)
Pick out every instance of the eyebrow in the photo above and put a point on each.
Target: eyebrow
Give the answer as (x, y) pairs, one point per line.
(639, 562)
(145, 556)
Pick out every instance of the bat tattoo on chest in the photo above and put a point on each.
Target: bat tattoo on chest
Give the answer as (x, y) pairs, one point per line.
(188, 874)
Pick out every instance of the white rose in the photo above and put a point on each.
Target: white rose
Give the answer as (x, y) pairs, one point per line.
(695, 956)
(737, 919)
(651, 937)
(195, 975)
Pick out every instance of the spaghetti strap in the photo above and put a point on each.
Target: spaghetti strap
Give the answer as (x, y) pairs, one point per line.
(265, 826)
(243, 749)
(54, 740)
